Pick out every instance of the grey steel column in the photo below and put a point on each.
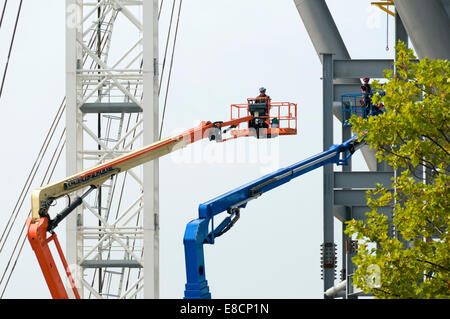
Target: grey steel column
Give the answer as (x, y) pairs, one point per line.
(344, 255)
(427, 24)
(350, 252)
(321, 28)
(446, 4)
(328, 202)
(400, 31)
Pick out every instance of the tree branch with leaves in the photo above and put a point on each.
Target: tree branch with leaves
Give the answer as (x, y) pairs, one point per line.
(412, 136)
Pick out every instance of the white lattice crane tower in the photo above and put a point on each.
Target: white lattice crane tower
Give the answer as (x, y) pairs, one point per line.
(112, 106)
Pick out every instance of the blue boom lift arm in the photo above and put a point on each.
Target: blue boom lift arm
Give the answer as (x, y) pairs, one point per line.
(197, 231)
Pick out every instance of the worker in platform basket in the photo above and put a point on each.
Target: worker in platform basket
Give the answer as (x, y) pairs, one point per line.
(366, 89)
(367, 85)
(264, 98)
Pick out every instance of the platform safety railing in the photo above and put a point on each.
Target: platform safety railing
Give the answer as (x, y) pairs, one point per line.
(281, 115)
(360, 105)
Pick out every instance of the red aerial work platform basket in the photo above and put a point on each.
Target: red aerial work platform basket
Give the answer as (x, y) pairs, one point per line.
(281, 119)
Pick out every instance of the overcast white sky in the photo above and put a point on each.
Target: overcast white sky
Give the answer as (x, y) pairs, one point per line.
(226, 51)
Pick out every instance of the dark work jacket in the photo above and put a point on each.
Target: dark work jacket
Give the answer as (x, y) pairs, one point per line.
(263, 97)
(368, 88)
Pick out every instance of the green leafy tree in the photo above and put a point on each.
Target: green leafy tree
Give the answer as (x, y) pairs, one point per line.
(411, 251)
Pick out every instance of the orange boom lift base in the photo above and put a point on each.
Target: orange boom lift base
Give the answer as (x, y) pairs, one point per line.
(37, 236)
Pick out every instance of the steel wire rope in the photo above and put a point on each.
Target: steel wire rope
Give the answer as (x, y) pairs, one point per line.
(32, 175)
(160, 8)
(170, 70)
(10, 47)
(53, 162)
(23, 234)
(167, 47)
(3, 13)
(15, 262)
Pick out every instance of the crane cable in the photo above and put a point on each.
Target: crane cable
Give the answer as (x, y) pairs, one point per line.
(30, 179)
(22, 235)
(11, 45)
(160, 9)
(166, 48)
(3, 13)
(32, 175)
(170, 70)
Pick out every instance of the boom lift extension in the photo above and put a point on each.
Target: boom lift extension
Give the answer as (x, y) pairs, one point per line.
(41, 199)
(197, 231)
